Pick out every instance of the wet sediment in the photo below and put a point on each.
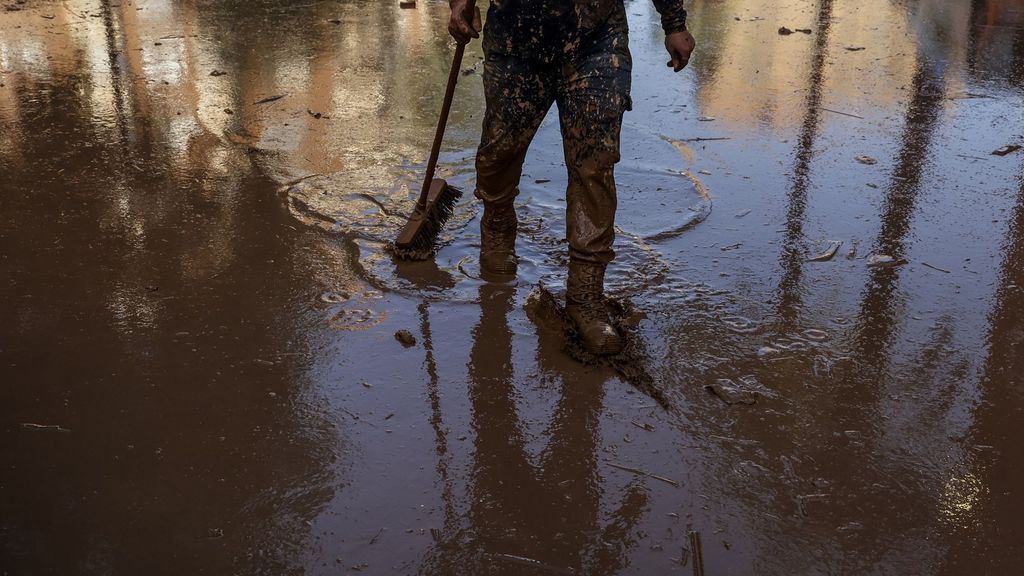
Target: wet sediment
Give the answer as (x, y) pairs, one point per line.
(198, 349)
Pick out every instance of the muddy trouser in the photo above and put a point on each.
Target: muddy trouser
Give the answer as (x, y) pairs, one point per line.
(591, 86)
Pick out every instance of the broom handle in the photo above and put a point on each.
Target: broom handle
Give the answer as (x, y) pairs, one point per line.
(449, 95)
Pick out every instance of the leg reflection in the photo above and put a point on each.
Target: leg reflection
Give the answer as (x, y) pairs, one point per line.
(533, 511)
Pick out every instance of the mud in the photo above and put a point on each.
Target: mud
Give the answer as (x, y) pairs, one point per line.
(545, 310)
(199, 372)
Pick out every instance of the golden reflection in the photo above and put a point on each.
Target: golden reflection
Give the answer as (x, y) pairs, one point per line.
(959, 497)
(759, 77)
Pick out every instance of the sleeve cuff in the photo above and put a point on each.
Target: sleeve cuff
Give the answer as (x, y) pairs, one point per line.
(674, 24)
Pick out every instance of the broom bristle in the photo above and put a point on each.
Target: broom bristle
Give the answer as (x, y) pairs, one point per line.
(436, 215)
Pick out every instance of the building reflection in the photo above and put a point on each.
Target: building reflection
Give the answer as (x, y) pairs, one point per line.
(132, 318)
(983, 499)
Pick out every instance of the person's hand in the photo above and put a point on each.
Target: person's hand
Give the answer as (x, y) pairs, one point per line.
(679, 45)
(464, 24)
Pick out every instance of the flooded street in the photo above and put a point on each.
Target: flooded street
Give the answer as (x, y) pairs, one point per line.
(820, 254)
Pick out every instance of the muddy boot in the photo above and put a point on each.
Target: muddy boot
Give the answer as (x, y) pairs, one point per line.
(498, 239)
(584, 296)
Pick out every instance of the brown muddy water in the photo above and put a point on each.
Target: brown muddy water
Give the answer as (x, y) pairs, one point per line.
(198, 368)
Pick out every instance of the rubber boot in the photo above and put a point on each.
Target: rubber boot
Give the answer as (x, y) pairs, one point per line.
(584, 295)
(498, 239)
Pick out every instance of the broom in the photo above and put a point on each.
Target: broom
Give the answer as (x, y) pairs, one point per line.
(437, 198)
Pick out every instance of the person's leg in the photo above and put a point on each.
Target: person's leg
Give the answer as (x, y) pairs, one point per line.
(593, 95)
(518, 94)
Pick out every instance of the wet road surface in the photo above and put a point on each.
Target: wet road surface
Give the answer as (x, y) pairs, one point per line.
(198, 369)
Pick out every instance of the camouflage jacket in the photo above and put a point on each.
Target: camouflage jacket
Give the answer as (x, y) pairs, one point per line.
(546, 29)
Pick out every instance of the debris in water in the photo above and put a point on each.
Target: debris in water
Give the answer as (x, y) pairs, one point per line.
(783, 31)
(216, 73)
(644, 426)
(742, 213)
(542, 180)
(804, 30)
(866, 160)
(406, 338)
(884, 261)
(334, 21)
(317, 115)
(706, 119)
(827, 254)
(229, 111)
(1008, 149)
(269, 99)
(731, 394)
(407, 4)
(852, 253)
(935, 267)
(802, 501)
(841, 113)
(698, 553)
(854, 48)
(50, 427)
(530, 562)
(643, 473)
(469, 71)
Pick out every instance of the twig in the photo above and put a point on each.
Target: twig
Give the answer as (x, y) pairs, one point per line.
(935, 267)
(644, 426)
(698, 553)
(842, 113)
(704, 139)
(269, 99)
(643, 473)
(524, 561)
(374, 539)
(53, 427)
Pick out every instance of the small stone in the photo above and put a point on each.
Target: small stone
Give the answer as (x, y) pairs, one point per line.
(406, 338)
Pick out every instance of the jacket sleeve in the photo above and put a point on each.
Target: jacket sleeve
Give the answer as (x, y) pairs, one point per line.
(673, 16)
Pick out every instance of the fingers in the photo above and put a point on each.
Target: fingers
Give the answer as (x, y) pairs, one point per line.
(678, 61)
(461, 30)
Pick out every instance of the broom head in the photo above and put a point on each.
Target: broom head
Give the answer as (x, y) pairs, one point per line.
(419, 236)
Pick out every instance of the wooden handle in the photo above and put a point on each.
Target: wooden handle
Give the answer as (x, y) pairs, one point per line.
(442, 121)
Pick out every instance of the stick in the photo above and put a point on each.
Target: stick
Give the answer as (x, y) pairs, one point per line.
(704, 139)
(524, 561)
(935, 267)
(842, 113)
(643, 473)
(698, 553)
(53, 427)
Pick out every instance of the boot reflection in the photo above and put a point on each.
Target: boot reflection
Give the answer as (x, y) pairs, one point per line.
(533, 512)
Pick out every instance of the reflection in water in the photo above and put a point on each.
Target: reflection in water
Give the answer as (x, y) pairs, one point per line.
(987, 500)
(162, 305)
(793, 255)
(132, 318)
(878, 317)
(532, 514)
